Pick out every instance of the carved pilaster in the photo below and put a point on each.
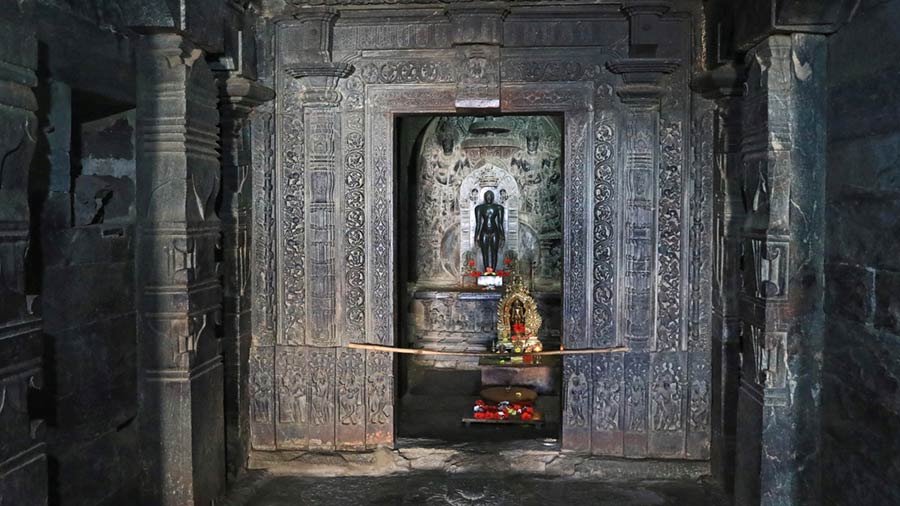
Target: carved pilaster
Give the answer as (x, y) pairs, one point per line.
(179, 293)
(641, 94)
(320, 99)
(724, 85)
(23, 461)
(237, 98)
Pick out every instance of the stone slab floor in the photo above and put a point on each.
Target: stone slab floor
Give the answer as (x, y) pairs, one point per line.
(431, 488)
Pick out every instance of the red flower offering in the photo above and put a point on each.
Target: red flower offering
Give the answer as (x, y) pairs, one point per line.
(507, 261)
(519, 328)
(474, 274)
(471, 263)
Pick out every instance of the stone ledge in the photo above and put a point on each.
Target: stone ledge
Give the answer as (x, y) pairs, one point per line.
(522, 457)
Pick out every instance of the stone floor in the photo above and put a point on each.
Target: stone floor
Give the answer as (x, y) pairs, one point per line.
(431, 488)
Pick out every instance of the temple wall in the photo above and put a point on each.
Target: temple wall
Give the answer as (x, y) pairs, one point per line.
(861, 414)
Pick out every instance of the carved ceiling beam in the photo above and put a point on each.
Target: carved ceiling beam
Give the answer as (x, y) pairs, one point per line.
(754, 20)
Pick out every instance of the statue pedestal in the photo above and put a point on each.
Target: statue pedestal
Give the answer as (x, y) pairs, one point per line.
(453, 319)
(490, 282)
(538, 377)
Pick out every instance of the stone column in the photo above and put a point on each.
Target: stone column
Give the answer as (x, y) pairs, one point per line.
(724, 85)
(641, 93)
(238, 96)
(179, 292)
(782, 177)
(23, 461)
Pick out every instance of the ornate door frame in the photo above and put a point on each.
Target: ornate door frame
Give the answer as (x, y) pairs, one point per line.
(574, 100)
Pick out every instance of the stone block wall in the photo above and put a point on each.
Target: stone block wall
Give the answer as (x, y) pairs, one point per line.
(87, 293)
(861, 381)
(81, 263)
(90, 349)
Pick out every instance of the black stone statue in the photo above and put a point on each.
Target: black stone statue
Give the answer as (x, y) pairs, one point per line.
(489, 233)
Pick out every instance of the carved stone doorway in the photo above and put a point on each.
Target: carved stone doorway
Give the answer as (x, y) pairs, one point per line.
(636, 214)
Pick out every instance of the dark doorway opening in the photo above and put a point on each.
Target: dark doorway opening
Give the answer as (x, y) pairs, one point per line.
(445, 167)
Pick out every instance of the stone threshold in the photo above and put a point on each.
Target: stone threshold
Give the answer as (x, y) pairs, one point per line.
(530, 457)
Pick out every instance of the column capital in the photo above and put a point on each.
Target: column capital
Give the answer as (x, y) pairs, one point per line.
(238, 96)
(315, 31)
(641, 77)
(319, 81)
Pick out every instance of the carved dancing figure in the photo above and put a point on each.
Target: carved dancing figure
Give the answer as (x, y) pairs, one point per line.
(489, 234)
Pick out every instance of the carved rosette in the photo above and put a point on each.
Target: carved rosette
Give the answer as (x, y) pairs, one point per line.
(408, 72)
(354, 226)
(292, 140)
(604, 232)
(264, 256)
(700, 273)
(668, 327)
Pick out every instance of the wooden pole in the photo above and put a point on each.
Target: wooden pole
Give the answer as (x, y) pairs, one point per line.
(411, 351)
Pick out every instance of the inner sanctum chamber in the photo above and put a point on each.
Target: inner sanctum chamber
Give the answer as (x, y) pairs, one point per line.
(483, 196)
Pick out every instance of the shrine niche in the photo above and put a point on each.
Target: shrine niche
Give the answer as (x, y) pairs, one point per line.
(462, 158)
(468, 174)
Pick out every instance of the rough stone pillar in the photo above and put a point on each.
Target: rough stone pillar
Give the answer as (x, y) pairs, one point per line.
(23, 461)
(237, 98)
(782, 181)
(723, 85)
(179, 292)
(641, 93)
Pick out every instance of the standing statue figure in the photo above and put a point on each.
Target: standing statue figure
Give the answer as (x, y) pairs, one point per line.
(489, 233)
